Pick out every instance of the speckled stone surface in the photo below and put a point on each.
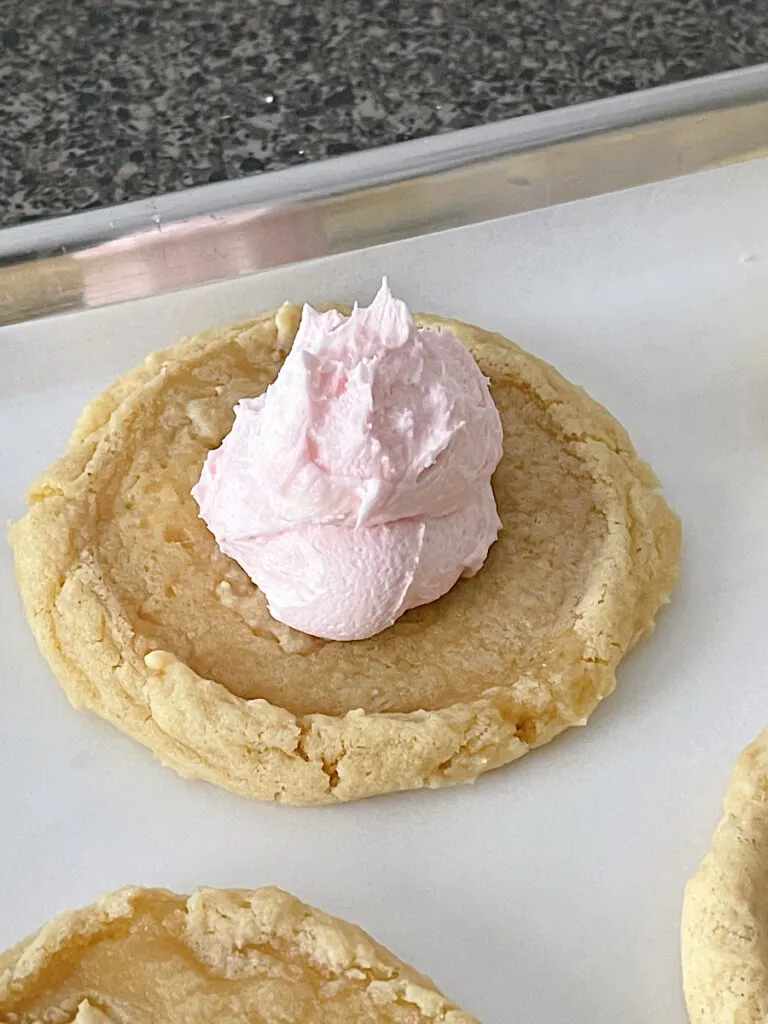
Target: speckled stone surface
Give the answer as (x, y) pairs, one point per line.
(107, 100)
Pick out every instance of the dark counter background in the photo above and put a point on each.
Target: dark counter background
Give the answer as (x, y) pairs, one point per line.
(103, 101)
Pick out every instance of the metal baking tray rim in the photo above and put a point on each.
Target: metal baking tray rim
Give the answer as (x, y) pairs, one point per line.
(226, 229)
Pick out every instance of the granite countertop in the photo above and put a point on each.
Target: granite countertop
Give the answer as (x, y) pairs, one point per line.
(105, 102)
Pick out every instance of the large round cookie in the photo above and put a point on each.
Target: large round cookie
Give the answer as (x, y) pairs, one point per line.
(147, 956)
(725, 911)
(144, 621)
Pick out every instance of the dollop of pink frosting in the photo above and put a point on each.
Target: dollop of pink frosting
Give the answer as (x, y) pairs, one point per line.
(359, 484)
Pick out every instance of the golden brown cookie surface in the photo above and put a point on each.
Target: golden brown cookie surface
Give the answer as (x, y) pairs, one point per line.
(148, 956)
(145, 622)
(725, 912)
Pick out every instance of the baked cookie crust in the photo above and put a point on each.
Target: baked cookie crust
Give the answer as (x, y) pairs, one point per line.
(725, 910)
(144, 621)
(219, 956)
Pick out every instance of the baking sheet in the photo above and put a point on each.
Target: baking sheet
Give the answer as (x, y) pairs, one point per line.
(224, 229)
(550, 891)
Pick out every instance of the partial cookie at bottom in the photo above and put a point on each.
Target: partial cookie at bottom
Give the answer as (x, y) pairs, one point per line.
(148, 956)
(725, 910)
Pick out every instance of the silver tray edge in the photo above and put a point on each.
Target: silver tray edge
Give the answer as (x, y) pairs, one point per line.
(225, 229)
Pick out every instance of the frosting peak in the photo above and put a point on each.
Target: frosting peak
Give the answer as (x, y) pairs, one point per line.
(358, 485)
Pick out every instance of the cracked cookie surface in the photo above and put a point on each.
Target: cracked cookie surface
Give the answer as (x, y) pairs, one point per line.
(147, 623)
(220, 956)
(725, 910)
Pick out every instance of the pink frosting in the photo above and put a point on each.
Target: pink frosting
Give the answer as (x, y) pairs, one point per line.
(359, 484)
